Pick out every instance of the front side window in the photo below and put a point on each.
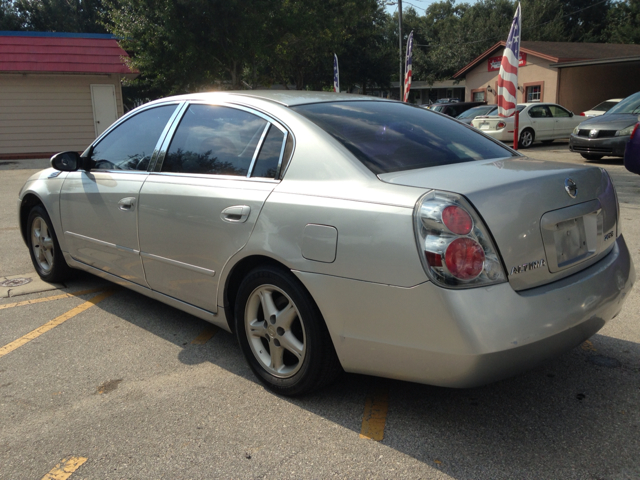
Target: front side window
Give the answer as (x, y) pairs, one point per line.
(393, 136)
(214, 140)
(131, 144)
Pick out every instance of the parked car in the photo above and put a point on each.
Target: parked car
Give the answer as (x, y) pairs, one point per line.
(632, 151)
(447, 100)
(601, 108)
(333, 231)
(537, 121)
(608, 134)
(468, 115)
(454, 109)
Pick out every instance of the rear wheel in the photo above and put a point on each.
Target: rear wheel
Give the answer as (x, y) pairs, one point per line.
(526, 138)
(44, 248)
(282, 333)
(591, 157)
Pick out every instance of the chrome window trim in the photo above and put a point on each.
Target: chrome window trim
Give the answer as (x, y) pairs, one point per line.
(167, 132)
(176, 263)
(166, 141)
(211, 176)
(256, 152)
(102, 243)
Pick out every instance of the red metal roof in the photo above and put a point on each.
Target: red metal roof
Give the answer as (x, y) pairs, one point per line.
(54, 54)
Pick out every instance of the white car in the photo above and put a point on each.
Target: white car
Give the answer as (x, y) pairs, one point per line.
(601, 108)
(538, 121)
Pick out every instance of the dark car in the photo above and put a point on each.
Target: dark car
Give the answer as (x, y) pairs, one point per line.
(454, 109)
(608, 134)
(468, 115)
(632, 151)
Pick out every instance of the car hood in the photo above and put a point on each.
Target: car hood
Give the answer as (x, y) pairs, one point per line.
(512, 196)
(612, 121)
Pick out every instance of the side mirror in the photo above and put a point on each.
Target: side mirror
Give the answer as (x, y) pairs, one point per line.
(66, 161)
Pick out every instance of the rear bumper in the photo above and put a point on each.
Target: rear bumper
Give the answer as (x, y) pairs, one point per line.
(610, 146)
(467, 338)
(503, 135)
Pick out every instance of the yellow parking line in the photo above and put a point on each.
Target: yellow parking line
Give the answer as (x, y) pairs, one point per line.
(54, 323)
(375, 415)
(206, 335)
(48, 299)
(65, 468)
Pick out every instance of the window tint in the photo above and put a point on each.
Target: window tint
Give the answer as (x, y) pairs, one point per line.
(131, 144)
(539, 112)
(269, 156)
(557, 111)
(214, 140)
(394, 136)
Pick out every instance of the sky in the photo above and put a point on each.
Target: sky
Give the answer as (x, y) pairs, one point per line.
(419, 5)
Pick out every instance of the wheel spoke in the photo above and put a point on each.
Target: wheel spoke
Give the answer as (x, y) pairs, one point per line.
(277, 353)
(47, 242)
(257, 328)
(291, 343)
(48, 257)
(286, 316)
(268, 306)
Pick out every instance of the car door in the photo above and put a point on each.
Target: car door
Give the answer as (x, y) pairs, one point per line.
(199, 208)
(99, 207)
(563, 120)
(541, 121)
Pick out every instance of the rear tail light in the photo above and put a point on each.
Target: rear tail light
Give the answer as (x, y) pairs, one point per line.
(501, 125)
(582, 114)
(455, 247)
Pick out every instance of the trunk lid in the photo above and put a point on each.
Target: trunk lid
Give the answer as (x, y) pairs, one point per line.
(541, 232)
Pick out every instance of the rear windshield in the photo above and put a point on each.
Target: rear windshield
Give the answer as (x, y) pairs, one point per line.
(393, 136)
(475, 111)
(604, 106)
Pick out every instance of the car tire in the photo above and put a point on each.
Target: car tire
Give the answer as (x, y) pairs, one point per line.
(44, 248)
(590, 157)
(282, 333)
(527, 136)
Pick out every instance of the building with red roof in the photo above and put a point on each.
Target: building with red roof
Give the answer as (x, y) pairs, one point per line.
(58, 91)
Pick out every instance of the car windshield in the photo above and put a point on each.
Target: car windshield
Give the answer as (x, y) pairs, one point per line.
(393, 136)
(475, 111)
(604, 106)
(630, 104)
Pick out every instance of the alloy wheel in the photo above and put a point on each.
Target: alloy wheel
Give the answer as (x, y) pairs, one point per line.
(42, 244)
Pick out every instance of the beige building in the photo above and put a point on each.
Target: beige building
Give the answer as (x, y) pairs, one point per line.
(57, 91)
(575, 75)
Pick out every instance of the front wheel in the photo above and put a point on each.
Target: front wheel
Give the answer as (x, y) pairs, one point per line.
(44, 248)
(526, 138)
(282, 333)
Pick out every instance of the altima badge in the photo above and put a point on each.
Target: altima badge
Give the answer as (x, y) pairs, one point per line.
(571, 187)
(528, 266)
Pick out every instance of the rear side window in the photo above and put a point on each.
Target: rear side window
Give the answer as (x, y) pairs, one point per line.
(214, 140)
(392, 136)
(270, 153)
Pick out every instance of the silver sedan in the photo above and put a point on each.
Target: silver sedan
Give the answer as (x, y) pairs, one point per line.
(338, 232)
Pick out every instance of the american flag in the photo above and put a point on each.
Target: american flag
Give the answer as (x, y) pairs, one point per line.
(508, 76)
(336, 74)
(407, 68)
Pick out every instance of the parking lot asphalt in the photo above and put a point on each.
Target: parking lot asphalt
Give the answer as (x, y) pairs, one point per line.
(100, 382)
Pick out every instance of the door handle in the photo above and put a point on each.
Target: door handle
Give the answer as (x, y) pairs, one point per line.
(127, 204)
(236, 214)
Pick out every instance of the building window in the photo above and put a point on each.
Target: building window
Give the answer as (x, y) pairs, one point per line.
(534, 93)
(479, 96)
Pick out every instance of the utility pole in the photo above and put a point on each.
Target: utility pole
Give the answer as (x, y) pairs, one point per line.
(401, 79)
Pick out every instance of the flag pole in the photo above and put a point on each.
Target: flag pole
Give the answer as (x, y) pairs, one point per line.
(515, 130)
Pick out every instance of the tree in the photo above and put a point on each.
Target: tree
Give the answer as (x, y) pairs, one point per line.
(9, 17)
(623, 22)
(75, 16)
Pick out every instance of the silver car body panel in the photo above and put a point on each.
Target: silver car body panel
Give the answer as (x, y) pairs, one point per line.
(360, 260)
(513, 195)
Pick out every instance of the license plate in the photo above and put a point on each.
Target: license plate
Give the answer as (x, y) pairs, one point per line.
(484, 125)
(571, 241)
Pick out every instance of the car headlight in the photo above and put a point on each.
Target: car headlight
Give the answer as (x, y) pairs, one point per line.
(576, 130)
(625, 131)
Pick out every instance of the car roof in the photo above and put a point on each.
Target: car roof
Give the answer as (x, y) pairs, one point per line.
(287, 98)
